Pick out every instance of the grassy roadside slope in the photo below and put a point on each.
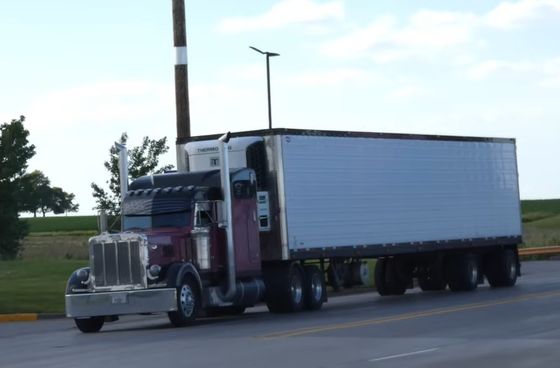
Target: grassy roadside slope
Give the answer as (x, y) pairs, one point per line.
(35, 286)
(541, 222)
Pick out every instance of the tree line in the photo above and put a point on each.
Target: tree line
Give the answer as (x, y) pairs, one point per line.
(21, 191)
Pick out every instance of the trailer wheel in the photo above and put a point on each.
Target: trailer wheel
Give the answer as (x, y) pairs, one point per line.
(284, 287)
(379, 276)
(314, 288)
(90, 324)
(387, 278)
(500, 268)
(188, 303)
(462, 272)
(433, 279)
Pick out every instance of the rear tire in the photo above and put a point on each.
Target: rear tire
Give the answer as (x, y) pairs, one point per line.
(462, 271)
(433, 279)
(387, 278)
(188, 304)
(90, 324)
(284, 287)
(314, 292)
(500, 268)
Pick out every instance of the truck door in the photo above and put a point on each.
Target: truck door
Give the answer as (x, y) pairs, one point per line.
(245, 225)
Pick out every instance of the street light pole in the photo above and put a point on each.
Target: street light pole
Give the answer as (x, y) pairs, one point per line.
(268, 56)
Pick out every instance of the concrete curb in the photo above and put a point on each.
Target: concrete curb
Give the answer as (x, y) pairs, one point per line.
(28, 317)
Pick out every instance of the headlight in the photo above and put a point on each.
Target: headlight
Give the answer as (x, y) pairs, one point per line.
(153, 271)
(83, 275)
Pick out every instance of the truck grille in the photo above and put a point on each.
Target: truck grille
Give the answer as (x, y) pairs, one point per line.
(117, 263)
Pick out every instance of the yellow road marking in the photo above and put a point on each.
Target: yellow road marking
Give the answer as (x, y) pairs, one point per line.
(406, 316)
(19, 317)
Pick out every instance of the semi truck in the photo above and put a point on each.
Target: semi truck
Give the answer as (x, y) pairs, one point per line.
(276, 215)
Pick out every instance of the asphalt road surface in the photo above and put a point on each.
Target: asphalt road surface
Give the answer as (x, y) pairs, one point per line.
(512, 327)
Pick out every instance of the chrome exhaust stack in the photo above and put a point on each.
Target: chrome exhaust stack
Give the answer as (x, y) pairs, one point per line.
(227, 217)
(123, 171)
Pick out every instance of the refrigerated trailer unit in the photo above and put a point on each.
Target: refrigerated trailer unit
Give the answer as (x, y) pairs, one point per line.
(308, 207)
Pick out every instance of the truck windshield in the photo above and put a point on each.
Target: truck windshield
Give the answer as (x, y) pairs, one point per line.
(176, 219)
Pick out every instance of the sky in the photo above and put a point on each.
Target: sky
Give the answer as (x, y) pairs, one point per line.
(84, 72)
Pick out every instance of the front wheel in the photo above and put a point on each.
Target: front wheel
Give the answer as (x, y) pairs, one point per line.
(188, 304)
(90, 324)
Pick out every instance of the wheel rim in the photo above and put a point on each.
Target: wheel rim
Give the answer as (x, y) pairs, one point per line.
(316, 287)
(512, 270)
(296, 289)
(187, 301)
(474, 273)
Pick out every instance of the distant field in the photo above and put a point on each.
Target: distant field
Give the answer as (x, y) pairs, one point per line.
(73, 245)
(35, 286)
(541, 222)
(61, 224)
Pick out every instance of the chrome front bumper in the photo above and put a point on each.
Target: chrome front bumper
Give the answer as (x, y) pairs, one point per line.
(121, 302)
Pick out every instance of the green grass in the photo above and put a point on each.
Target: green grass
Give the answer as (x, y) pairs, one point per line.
(541, 222)
(59, 246)
(61, 224)
(548, 207)
(35, 286)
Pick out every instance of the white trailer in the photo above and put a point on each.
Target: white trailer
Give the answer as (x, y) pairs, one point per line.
(426, 206)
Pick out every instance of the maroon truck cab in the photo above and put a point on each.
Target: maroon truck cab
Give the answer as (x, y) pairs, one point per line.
(172, 254)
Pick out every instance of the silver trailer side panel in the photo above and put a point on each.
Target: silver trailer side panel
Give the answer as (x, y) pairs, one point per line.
(352, 191)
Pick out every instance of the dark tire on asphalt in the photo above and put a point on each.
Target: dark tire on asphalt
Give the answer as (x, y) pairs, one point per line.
(188, 303)
(379, 276)
(284, 287)
(387, 278)
(462, 271)
(500, 268)
(314, 291)
(434, 278)
(90, 324)
(397, 286)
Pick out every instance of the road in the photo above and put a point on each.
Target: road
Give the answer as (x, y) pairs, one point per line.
(513, 327)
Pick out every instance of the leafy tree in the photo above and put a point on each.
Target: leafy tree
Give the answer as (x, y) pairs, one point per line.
(62, 202)
(143, 160)
(36, 195)
(34, 192)
(15, 151)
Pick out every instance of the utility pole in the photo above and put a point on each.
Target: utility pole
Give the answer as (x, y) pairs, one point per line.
(181, 74)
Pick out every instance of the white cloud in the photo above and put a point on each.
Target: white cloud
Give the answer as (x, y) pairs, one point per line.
(429, 34)
(100, 103)
(424, 33)
(332, 77)
(284, 13)
(509, 15)
(407, 91)
(548, 70)
(361, 40)
(551, 70)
